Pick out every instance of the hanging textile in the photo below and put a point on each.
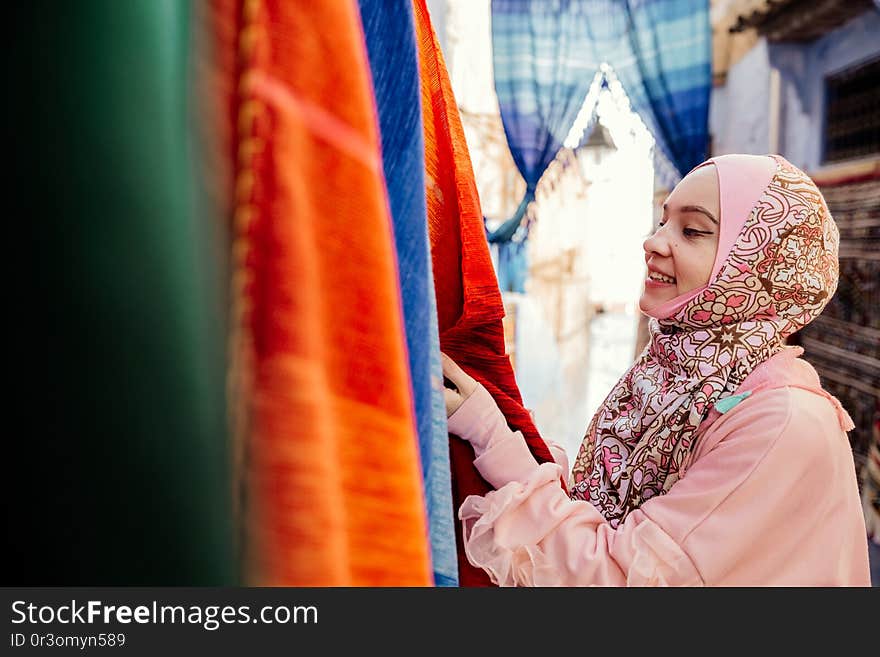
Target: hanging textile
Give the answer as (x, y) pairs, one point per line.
(667, 74)
(121, 478)
(545, 56)
(513, 265)
(391, 46)
(469, 306)
(442, 518)
(509, 241)
(330, 461)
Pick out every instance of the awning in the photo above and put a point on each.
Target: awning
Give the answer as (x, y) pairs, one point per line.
(798, 20)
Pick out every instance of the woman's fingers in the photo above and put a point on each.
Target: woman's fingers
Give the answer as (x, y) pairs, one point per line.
(451, 369)
(453, 401)
(451, 373)
(461, 379)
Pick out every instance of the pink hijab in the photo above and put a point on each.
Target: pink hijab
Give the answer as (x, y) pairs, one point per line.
(775, 270)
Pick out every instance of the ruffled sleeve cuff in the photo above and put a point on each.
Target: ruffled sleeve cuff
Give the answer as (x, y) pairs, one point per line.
(506, 550)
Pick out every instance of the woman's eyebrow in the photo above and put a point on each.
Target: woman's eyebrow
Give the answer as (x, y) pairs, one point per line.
(693, 208)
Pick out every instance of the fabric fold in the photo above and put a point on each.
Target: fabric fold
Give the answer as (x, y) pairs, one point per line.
(469, 306)
(390, 38)
(331, 478)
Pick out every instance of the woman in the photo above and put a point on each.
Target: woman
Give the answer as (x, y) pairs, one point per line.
(717, 459)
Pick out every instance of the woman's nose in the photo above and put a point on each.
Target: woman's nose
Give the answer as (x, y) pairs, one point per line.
(657, 243)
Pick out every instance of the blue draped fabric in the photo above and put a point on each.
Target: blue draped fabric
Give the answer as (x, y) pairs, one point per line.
(667, 73)
(391, 47)
(513, 266)
(541, 77)
(546, 53)
(541, 82)
(438, 476)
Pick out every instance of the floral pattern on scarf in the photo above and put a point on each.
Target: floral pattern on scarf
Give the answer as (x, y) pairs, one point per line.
(778, 276)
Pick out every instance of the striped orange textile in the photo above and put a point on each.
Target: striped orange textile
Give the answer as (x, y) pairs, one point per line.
(328, 461)
(469, 305)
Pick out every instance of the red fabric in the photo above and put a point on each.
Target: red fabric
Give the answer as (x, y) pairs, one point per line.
(469, 305)
(329, 456)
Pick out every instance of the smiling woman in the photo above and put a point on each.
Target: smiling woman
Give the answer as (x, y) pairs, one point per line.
(718, 458)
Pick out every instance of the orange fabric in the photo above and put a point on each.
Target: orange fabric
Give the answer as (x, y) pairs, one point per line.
(331, 481)
(469, 305)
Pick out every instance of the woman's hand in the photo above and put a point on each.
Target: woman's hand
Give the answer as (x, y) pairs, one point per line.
(472, 412)
(463, 383)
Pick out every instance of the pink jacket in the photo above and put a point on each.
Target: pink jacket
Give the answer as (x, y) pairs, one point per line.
(770, 499)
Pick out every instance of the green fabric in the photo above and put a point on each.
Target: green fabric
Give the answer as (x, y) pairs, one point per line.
(125, 465)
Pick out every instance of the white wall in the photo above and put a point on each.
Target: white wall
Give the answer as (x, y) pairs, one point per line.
(738, 110)
(437, 10)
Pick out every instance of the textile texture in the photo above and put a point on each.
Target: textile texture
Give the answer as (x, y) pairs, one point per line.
(776, 278)
(119, 475)
(330, 464)
(390, 38)
(438, 477)
(469, 306)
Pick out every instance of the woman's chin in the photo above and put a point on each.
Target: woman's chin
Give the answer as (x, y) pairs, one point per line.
(654, 298)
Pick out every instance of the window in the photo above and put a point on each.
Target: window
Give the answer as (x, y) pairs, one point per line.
(852, 117)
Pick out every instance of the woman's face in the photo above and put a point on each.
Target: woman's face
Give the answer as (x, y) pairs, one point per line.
(681, 252)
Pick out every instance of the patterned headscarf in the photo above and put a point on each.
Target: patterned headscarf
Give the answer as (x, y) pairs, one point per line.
(775, 270)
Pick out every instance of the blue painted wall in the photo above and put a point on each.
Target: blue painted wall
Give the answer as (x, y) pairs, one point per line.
(739, 116)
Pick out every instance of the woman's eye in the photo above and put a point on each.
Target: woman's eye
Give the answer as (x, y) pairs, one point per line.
(690, 232)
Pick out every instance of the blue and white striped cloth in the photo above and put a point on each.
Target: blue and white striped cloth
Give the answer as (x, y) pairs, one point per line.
(546, 53)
